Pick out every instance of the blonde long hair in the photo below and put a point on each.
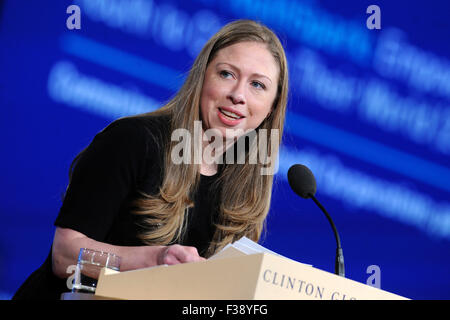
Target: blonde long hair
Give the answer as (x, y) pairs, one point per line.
(245, 193)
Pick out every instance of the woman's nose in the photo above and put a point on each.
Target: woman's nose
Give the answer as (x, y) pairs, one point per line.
(237, 94)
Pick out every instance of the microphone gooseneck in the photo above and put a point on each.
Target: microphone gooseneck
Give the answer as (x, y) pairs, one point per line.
(303, 183)
(339, 267)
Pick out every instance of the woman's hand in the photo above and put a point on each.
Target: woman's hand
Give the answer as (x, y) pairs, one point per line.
(176, 253)
(149, 256)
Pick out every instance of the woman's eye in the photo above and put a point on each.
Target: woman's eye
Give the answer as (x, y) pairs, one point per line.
(225, 74)
(258, 85)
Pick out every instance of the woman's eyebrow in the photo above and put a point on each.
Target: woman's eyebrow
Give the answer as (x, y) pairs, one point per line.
(236, 68)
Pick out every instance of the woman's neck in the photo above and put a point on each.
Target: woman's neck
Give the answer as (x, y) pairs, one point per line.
(211, 155)
(208, 169)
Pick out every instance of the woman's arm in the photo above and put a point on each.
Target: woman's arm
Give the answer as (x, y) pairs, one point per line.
(67, 244)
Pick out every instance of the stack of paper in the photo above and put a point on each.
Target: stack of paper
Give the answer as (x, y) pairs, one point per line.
(243, 246)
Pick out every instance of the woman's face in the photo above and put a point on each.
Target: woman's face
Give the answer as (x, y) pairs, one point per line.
(239, 89)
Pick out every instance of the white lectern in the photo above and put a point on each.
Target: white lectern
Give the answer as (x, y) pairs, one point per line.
(233, 276)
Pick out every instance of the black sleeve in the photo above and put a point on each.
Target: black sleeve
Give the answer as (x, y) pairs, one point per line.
(105, 174)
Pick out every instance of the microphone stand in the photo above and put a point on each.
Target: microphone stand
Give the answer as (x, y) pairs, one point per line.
(339, 267)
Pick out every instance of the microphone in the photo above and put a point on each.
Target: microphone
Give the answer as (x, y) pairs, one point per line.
(303, 183)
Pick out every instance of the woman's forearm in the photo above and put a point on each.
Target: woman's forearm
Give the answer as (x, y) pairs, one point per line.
(67, 244)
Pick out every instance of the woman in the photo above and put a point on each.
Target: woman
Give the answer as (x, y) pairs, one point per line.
(128, 196)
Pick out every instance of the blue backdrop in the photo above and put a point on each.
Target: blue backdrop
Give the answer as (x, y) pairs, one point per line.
(369, 113)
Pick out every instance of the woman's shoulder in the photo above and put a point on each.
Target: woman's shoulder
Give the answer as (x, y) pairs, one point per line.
(147, 125)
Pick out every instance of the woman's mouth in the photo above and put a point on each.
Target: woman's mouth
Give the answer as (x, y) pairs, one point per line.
(228, 117)
(230, 114)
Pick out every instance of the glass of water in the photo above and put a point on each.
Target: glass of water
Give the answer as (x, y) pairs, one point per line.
(89, 264)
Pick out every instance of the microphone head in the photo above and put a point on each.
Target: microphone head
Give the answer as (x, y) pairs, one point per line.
(302, 181)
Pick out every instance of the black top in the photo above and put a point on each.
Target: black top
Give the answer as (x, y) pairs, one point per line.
(124, 158)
